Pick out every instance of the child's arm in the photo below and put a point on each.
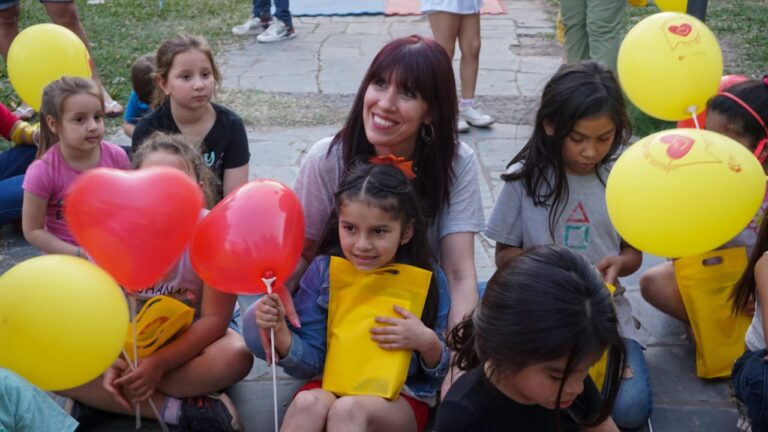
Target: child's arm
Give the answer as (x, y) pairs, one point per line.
(33, 217)
(128, 128)
(270, 314)
(408, 333)
(234, 178)
(505, 252)
(623, 264)
(761, 286)
(215, 315)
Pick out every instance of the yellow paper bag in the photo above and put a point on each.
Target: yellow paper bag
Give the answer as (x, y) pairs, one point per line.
(160, 319)
(638, 3)
(706, 282)
(354, 364)
(597, 371)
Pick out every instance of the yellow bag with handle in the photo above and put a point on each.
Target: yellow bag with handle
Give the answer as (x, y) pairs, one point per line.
(354, 364)
(706, 282)
(158, 320)
(597, 371)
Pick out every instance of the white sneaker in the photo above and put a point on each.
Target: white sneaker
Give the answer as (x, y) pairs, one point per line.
(461, 125)
(253, 26)
(276, 32)
(476, 118)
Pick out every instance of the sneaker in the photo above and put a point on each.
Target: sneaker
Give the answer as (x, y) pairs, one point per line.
(276, 32)
(461, 125)
(209, 413)
(253, 26)
(476, 118)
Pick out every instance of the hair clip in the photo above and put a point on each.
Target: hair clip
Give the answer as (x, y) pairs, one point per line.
(404, 165)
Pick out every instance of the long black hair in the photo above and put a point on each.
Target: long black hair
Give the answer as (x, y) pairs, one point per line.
(387, 188)
(545, 304)
(575, 92)
(753, 93)
(421, 66)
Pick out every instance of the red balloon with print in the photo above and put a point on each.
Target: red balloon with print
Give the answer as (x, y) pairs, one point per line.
(256, 232)
(134, 224)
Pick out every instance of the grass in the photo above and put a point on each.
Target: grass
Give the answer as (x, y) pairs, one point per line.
(740, 27)
(121, 30)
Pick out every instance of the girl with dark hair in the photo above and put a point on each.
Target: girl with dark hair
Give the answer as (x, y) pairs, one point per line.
(554, 192)
(378, 221)
(405, 110)
(741, 113)
(544, 320)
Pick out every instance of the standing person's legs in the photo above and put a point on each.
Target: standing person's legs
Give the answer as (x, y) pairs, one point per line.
(64, 13)
(9, 25)
(469, 44)
(283, 12)
(445, 29)
(574, 13)
(262, 9)
(605, 29)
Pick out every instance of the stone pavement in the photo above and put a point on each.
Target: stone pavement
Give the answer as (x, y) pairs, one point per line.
(329, 57)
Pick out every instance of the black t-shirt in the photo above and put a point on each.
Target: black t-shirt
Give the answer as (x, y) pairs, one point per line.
(224, 147)
(474, 404)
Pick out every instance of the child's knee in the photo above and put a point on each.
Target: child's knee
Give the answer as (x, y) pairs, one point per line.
(311, 403)
(348, 410)
(655, 282)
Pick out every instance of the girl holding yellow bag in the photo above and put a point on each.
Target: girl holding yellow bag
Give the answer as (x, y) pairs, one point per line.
(544, 320)
(379, 228)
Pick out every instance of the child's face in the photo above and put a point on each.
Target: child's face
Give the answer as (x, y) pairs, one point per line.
(165, 159)
(81, 123)
(190, 81)
(370, 236)
(587, 144)
(540, 383)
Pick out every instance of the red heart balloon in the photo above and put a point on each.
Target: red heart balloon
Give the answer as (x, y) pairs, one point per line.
(134, 224)
(256, 232)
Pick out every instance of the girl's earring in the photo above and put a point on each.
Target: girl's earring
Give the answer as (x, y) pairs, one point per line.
(428, 133)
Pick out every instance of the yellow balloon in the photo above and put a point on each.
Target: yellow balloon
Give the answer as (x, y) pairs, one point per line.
(44, 53)
(672, 5)
(670, 63)
(683, 192)
(63, 321)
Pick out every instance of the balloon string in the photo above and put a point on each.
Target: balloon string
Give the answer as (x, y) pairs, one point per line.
(692, 112)
(268, 282)
(132, 302)
(160, 420)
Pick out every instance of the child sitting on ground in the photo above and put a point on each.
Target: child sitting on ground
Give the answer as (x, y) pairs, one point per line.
(143, 83)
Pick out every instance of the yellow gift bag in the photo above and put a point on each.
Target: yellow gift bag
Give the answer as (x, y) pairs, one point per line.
(354, 364)
(706, 282)
(160, 319)
(597, 371)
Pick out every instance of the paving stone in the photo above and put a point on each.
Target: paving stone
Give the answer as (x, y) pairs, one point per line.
(673, 377)
(694, 419)
(367, 28)
(332, 28)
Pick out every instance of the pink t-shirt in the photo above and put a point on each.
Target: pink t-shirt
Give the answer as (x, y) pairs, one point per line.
(50, 177)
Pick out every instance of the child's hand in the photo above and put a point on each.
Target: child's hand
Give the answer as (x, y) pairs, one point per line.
(115, 371)
(408, 333)
(609, 267)
(270, 312)
(141, 383)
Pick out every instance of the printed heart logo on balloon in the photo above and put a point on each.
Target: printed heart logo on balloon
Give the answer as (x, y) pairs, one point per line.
(134, 224)
(677, 145)
(682, 30)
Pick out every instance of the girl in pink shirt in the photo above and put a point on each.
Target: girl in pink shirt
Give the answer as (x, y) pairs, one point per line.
(71, 142)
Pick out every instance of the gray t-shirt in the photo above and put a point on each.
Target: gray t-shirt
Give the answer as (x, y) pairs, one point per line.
(583, 226)
(319, 178)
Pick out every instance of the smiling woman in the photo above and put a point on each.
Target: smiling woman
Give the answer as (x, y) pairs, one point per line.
(406, 108)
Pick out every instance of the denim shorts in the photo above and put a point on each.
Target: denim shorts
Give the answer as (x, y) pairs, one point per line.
(7, 4)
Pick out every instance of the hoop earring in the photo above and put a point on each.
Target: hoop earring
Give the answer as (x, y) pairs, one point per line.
(428, 137)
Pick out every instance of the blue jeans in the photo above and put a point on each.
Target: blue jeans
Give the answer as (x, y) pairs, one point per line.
(633, 404)
(13, 165)
(749, 383)
(262, 9)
